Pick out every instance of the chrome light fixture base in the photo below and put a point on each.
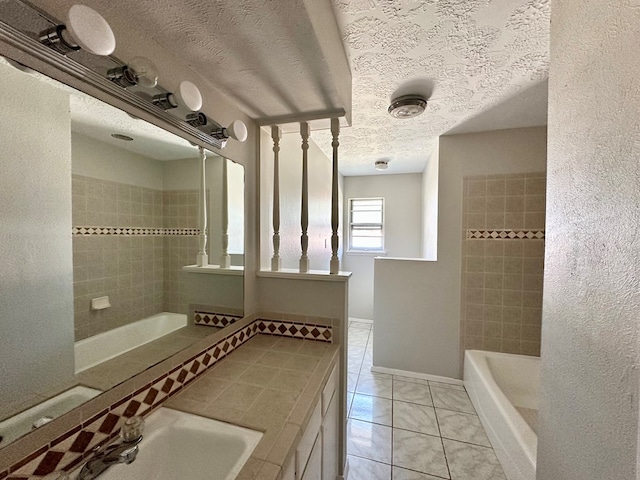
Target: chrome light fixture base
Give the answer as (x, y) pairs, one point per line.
(407, 106)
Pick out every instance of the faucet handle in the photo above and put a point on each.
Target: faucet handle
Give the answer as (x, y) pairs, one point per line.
(132, 429)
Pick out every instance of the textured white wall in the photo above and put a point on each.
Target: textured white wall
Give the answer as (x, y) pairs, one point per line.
(36, 294)
(589, 398)
(290, 202)
(430, 207)
(402, 202)
(432, 304)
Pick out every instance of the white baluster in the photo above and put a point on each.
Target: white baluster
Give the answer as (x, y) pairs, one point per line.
(225, 259)
(276, 135)
(203, 258)
(334, 265)
(304, 218)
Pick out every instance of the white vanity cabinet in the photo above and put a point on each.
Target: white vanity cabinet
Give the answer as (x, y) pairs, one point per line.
(316, 457)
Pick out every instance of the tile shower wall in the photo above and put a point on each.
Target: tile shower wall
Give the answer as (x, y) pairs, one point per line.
(139, 272)
(501, 304)
(180, 211)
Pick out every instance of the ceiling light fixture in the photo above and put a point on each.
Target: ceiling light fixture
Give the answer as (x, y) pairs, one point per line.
(236, 130)
(407, 106)
(124, 138)
(84, 29)
(139, 71)
(381, 165)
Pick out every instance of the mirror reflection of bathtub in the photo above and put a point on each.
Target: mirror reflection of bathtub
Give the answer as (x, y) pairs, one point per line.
(128, 193)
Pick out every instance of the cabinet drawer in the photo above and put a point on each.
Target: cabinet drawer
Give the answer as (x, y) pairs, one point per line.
(307, 440)
(329, 389)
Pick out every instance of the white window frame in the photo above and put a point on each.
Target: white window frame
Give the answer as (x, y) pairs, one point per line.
(352, 249)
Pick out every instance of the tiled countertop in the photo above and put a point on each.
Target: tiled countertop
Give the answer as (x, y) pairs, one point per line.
(269, 384)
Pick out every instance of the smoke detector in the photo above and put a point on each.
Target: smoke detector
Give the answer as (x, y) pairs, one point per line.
(381, 164)
(407, 106)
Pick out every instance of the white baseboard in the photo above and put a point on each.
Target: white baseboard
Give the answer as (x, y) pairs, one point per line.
(421, 376)
(363, 320)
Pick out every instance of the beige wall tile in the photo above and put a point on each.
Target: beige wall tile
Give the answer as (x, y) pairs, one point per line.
(477, 205)
(474, 313)
(494, 248)
(511, 331)
(513, 281)
(475, 296)
(535, 186)
(476, 221)
(532, 282)
(493, 313)
(535, 220)
(475, 264)
(495, 204)
(496, 187)
(493, 329)
(495, 221)
(514, 221)
(477, 188)
(513, 248)
(532, 316)
(534, 248)
(531, 348)
(514, 203)
(493, 280)
(494, 264)
(475, 280)
(512, 314)
(492, 344)
(493, 296)
(512, 298)
(515, 185)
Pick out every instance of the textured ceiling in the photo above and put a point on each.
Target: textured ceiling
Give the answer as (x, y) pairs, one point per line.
(269, 57)
(468, 56)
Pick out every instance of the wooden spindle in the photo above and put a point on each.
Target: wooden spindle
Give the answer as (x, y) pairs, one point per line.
(304, 218)
(276, 135)
(225, 258)
(334, 265)
(203, 259)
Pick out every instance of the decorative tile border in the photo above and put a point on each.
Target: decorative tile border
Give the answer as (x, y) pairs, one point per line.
(214, 319)
(88, 231)
(287, 328)
(505, 234)
(72, 448)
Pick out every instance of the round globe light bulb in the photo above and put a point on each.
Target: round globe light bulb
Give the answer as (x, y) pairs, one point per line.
(189, 95)
(237, 130)
(90, 30)
(145, 72)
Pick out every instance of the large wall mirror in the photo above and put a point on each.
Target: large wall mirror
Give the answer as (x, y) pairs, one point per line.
(101, 217)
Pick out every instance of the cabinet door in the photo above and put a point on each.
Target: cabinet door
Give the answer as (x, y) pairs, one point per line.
(330, 440)
(314, 467)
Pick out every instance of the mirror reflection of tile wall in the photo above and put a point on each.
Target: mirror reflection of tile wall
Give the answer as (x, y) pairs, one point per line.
(145, 237)
(502, 262)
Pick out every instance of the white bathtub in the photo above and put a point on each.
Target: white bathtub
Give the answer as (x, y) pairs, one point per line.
(16, 426)
(92, 351)
(504, 390)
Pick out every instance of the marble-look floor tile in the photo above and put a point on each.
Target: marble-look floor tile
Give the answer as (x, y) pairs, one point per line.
(451, 399)
(371, 409)
(411, 392)
(352, 381)
(354, 365)
(446, 385)
(471, 462)
(363, 469)
(417, 418)
(404, 474)
(369, 440)
(378, 385)
(422, 453)
(357, 324)
(411, 380)
(461, 426)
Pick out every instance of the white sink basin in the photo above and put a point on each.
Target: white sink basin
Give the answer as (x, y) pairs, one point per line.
(178, 445)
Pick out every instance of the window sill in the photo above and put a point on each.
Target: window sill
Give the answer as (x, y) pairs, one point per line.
(370, 253)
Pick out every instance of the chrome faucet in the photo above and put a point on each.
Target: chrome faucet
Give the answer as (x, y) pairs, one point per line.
(124, 452)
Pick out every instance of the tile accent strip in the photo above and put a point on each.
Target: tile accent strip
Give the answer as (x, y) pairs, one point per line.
(286, 328)
(505, 234)
(214, 319)
(88, 231)
(70, 449)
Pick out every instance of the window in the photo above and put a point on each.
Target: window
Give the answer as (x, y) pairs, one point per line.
(366, 224)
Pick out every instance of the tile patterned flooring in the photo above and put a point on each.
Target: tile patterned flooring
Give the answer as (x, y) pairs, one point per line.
(402, 428)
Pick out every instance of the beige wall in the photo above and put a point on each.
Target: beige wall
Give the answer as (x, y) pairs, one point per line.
(590, 346)
(434, 302)
(36, 296)
(402, 231)
(501, 300)
(430, 207)
(319, 230)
